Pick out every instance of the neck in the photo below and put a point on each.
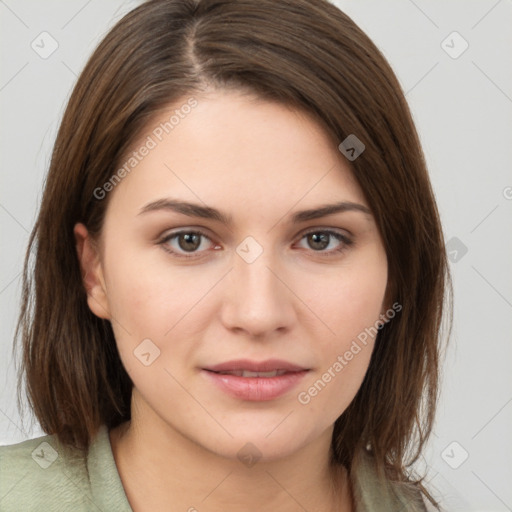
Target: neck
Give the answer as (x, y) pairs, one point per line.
(163, 470)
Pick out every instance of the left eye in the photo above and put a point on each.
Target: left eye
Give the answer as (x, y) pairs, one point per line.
(320, 240)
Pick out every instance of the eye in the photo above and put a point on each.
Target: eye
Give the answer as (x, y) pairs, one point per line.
(180, 243)
(191, 243)
(319, 240)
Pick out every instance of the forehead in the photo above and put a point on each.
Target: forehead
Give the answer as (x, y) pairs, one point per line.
(235, 149)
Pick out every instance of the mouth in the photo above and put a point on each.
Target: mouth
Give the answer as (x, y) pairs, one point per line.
(256, 381)
(250, 368)
(248, 373)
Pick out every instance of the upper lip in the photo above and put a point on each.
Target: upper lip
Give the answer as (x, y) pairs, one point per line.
(256, 366)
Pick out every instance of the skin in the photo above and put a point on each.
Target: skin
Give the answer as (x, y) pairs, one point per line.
(259, 162)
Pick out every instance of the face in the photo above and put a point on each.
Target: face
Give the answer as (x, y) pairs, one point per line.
(243, 279)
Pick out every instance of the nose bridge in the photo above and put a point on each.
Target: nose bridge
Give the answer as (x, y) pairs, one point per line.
(257, 300)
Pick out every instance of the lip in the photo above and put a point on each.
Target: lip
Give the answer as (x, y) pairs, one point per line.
(255, 366)
(255, 388)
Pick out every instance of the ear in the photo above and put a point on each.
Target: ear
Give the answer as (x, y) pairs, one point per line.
(92, 272)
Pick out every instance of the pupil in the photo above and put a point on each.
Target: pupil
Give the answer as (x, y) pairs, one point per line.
(322, 239)
(189, 239)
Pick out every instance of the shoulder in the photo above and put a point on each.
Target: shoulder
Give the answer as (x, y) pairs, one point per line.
(373, 494)
(42, 474)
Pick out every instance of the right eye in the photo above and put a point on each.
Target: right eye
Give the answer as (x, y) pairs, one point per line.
(184, 243)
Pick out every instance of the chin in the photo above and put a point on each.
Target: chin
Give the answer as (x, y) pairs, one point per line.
(250, 445)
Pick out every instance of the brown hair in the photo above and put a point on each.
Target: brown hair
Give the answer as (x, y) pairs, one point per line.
(303, 53)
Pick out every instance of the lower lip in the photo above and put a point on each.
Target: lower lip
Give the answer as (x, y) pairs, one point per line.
(256, 388)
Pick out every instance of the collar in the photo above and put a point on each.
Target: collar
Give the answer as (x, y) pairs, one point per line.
(106, 486)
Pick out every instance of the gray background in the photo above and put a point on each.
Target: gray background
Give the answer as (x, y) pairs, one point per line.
(462, 105)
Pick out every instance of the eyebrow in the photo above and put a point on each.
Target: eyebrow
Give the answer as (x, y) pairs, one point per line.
(207, 212)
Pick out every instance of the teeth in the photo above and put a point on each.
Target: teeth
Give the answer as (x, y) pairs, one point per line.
(247, 373)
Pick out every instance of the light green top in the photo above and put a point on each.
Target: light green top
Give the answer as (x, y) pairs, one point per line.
(42, 475)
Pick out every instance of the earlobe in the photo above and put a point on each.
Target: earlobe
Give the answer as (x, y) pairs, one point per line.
(92, 272)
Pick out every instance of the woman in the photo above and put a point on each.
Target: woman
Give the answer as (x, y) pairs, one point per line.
(239, 273)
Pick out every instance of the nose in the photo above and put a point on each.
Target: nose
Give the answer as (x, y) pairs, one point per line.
(256, 297)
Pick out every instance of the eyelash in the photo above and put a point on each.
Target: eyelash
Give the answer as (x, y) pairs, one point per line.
(347, 242)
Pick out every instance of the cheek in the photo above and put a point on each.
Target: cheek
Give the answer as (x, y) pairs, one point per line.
(347, 300)
(150, 300)
(349, 306)
(148, 296)
(343, 356)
